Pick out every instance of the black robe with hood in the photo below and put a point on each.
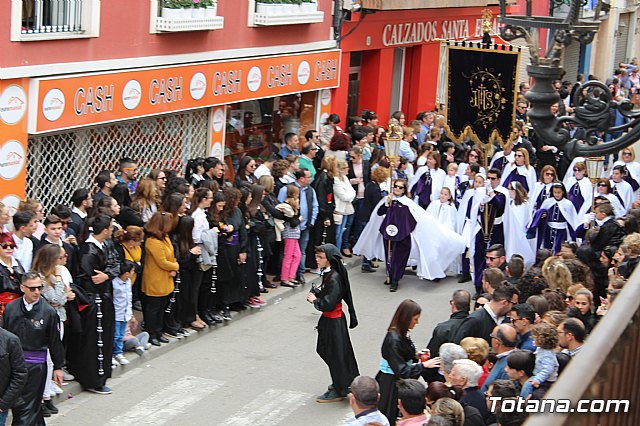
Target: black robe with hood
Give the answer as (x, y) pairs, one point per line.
(334, 344)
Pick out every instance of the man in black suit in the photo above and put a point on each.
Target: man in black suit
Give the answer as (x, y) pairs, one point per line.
(443, 333)
(82, 203)
(482, 322)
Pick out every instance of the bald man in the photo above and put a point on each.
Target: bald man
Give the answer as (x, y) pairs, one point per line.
(503, 341)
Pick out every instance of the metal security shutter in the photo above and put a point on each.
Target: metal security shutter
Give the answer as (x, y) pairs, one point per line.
(60, 163)
(622, 38)
(571, 61)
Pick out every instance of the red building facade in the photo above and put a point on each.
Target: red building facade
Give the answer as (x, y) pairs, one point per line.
(84, 85)
(391, 58)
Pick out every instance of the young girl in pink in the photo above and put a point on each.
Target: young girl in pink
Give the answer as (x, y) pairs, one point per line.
(290, 236)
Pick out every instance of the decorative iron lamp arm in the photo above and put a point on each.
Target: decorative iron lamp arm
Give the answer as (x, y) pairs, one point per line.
(593, 102)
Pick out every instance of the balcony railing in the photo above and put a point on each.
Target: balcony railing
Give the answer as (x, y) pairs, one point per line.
(606, 368)
(51, 16)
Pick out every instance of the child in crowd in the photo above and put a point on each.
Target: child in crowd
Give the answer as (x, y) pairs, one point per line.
(444, 210)
(134, 339)
(122, 304)
(452, 180)
(545, 337)
(290, 236)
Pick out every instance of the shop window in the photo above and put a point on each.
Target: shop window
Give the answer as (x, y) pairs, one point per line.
(257, 128)
(33, 20)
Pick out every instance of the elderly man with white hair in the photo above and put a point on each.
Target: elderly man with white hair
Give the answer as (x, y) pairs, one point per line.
(449, 352)
(466, 373)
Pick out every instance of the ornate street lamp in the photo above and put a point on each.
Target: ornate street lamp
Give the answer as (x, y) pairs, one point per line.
(392, 140)
(593, 101)
(595, 168)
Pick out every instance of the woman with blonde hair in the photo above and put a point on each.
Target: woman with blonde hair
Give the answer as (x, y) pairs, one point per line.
(556, 274)
(516, 217)
(628, 159)
(477, 350)
(344, 195)
(146, 199)
(49, 263)
(520, 170)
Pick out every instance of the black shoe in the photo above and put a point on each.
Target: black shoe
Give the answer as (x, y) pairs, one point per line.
(464, 278)
(367, 268)
(394, 287)
(163, 339)
(436, 280)
(288, 284)
(206, 317)
(276, 279)
(226, 315)
(49, 405)
(345, 254)
(217, 319)
(264, 290)
(300, 279)
(237, 307)
(155, 342)
(45, 411)
(269, 284)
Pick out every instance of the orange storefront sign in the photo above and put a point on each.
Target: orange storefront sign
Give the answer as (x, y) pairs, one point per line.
(99, 98)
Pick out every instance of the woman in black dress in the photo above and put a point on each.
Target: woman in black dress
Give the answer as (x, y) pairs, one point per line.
(399, 357)
(232, 255)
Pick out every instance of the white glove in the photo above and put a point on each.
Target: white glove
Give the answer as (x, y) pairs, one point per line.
(592, 217)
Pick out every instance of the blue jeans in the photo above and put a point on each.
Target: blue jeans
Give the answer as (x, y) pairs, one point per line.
(118, 334)
(353, 225)
(342, 232)
(304, 242)
(3, 417)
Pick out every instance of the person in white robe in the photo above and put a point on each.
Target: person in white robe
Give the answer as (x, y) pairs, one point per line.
(427, 182)
(580, 189)
(603, 188)
(621, 188)
(520, 170)
(542, 189)
(516, 218)
(433, 245)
